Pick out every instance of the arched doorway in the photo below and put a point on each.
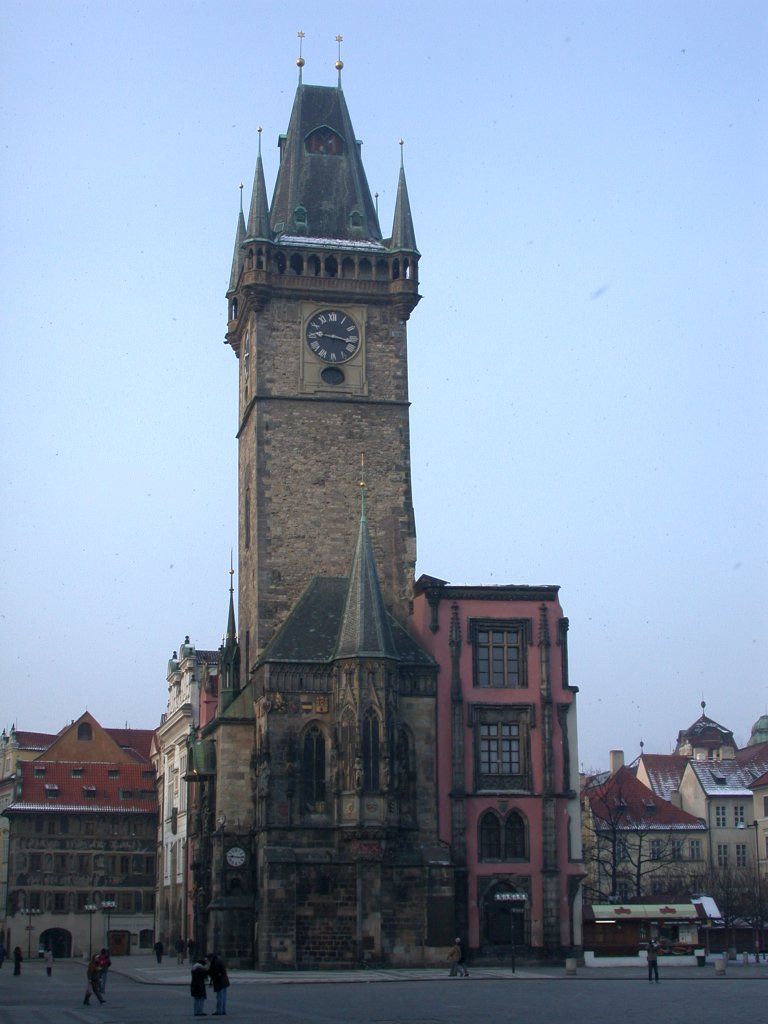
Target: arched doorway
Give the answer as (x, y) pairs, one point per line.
(58, 940)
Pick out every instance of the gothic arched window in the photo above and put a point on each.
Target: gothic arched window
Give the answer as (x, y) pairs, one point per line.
(313, 768)
(490, 837)
(371, 752)
(348, 751)
(515, 837)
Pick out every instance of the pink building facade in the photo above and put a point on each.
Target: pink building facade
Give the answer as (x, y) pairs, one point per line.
(507, 764)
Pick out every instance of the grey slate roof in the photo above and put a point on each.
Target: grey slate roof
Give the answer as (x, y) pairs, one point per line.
(364, 630)
(311, 632)
(722, 778)
(330, 187)
(258, 215)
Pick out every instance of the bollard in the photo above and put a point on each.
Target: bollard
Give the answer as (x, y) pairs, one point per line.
(720, 968)
(570, 965)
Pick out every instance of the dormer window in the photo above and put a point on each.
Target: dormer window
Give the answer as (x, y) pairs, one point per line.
(300, 217)
(355, 219)
(89, 792)
(39, 773)
(84, 731)
(77, 773)
(52, 791)
(324, 141)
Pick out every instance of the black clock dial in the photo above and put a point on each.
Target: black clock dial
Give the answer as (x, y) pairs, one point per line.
(333, 335)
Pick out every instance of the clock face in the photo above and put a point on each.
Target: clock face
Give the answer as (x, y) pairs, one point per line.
(235, 856)
(332, 335)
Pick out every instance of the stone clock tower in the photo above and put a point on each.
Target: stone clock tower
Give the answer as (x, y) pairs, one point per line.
(318, 307)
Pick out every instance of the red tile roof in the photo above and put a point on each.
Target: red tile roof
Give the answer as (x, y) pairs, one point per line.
(34, 740)
(624, 803)
(761, 780)
(665, 772)
(41, 779)
(134, 741)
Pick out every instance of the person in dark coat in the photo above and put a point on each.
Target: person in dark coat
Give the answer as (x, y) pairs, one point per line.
(197, 987)
(652, 955)
(3, 953)
(104, 964)
(158, 947)
(92, 972)
(17, 958)
(217, 971)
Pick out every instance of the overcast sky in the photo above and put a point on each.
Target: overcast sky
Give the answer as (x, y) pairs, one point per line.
(587, 367)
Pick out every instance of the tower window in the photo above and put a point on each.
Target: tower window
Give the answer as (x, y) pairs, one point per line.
(297, 264)
(324, 141)
(313, 769)
(499, 653)
(515, 837)
(490, 837)
(300, 217)
(331, 266)
(371, 752)
(348, 751)
(355, 219)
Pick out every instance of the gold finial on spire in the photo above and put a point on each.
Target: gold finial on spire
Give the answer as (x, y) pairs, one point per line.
(376, 197)
(231, 573)
(259, 130)
(241, 197)
(300, 62)
(402, 143)
(339, 63)
(362, 483)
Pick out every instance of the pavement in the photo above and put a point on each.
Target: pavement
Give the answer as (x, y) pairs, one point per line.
(147, 972)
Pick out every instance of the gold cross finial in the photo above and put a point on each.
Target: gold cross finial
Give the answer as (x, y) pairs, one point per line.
(339, 63)
(300, 62)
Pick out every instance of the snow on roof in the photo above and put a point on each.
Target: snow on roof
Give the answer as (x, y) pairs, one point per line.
(337, 243)
(722, 778)
(664, 772)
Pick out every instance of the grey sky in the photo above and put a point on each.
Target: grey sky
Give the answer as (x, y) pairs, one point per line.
(587, 367)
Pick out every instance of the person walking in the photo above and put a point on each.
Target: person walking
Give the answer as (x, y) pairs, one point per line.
(652, 955)
(17, 958)
(3, 952)
(104, 964)
(217, 971)
(190, 950)
(92, 987)
(458, 960)
(48, 958)
(180, 947)
(197, 987)
(158, 947)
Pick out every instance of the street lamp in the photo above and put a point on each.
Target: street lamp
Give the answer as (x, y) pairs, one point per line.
(108, 906)
(90, 909)
(30, 912)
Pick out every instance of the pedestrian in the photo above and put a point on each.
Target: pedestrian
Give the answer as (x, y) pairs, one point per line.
(652, 954)
(180, 951)
(197, 987)
(104, 964)
(190, 950)
(48, 958)
(458, 960)
(92, 987)
(17, 958)
(3, 952)
(159, 951)
(217, 971)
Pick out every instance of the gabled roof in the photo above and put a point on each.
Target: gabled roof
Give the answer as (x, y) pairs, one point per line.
(136, 742)
(664, 772)
(58, 786)
(722, 778)
(623, 803)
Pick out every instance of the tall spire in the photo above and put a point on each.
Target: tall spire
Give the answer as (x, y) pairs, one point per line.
(237, 255)
(365, 630)
(231, 637)
(258, 216)
(403, 235)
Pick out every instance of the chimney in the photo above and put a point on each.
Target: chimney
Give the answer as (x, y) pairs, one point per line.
(617, 760)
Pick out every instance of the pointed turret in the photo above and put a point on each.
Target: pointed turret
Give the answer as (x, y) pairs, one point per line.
(237, 255)
(229, 655)
(403, 236)
(258, 215)
(365, 631)
(321, 189)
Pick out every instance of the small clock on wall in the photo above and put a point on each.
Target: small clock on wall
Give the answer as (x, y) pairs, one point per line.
(333, 335)
(236, 856)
